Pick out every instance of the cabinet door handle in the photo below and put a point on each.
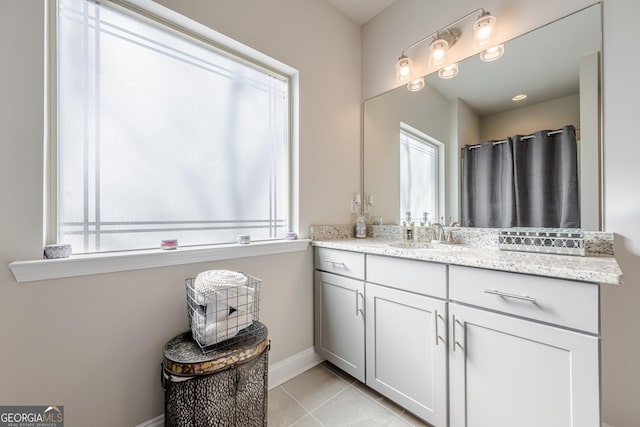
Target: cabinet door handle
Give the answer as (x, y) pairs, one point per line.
(438, 337)
(453, 333)
(334, 263)
(435, 321)
(507, 295)
(464, 328)
(358, 309)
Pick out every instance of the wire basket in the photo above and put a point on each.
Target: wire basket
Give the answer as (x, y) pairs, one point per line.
(225, 316)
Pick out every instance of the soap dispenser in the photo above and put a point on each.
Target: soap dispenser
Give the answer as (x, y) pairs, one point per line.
(425, 219)
(427, 234)
(408, 228)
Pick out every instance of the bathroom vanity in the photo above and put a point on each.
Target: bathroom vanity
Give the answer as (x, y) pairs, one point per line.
(465, 336)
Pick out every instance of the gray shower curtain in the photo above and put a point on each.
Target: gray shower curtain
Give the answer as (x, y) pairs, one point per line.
(524, 182)
(487, 185)
(546, 179)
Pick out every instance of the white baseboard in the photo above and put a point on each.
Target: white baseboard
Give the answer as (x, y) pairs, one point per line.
(279, 373)
(290, 367)
(154, 422)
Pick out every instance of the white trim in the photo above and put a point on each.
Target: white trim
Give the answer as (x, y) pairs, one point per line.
(171, 20)
(278, 373)
(290, 367)
(82, 265)
(154, 422)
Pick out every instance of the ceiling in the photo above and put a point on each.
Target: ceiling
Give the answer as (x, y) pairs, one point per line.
(360, 11)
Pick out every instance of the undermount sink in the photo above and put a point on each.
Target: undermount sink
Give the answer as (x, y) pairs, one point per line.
(433, 246)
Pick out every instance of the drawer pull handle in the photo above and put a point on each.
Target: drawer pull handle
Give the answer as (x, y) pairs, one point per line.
(334, 263)
(507, 295)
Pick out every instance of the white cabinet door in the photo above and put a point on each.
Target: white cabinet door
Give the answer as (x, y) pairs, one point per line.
(507, 372)
(339, 322)
(407, 350)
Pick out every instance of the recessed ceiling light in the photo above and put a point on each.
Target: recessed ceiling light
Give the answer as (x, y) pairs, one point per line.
(519, 97)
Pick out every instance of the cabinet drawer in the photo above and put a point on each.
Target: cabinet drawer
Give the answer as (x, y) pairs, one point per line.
(421, 277)
(340, 262)
(556, 301)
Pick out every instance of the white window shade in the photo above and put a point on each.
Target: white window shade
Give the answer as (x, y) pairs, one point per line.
(163, 137)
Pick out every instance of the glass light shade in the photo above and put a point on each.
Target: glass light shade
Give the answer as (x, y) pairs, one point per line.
(404, 69)
(415, 85)
(492, 53)
(449, 71)
(484, 30)
(438, 52)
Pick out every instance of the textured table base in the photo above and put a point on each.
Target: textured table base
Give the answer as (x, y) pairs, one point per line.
(234, 397)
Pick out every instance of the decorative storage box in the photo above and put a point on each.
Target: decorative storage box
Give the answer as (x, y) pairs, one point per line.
(559, 241)
(223, 307)
(222, 388)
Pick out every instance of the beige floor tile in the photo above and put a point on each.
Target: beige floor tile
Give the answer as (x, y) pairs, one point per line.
(314, 387)
(399, 422)
(339, 372)
(391, 406)
(413, 420)
(283, 409)
(308, 421)
(352, 408)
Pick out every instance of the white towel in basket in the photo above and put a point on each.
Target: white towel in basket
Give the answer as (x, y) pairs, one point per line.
(218, 311)
(218, 285)
(208, 332)
(225, 305)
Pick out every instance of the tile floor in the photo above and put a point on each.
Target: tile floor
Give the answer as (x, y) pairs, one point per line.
(326, 396)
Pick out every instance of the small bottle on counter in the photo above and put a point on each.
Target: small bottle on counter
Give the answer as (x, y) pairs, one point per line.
(408, 228)
(361, 227)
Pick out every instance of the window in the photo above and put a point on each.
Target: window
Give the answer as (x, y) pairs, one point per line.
(161, 135)
(420, 174)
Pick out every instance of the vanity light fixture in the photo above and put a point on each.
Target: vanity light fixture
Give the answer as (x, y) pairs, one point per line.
(415, 85)
(442, 40)
(492, 53)
(519, 97)
(440, 45)
(448, 72)
(438, 52)
(404, 68)
(484, 30)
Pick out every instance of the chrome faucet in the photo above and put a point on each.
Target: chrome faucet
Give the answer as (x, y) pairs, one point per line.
(438, 232)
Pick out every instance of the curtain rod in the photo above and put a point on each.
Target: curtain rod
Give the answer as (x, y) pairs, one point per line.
(552, 132)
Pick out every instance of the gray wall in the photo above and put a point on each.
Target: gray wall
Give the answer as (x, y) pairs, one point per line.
(94, 343)
(408, 20)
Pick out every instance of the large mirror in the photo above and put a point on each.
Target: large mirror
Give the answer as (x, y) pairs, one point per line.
(557, 66)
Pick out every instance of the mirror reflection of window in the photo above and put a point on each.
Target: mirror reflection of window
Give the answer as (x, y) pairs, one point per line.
(420, 173)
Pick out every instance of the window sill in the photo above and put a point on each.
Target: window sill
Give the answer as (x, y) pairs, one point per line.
(83, 265)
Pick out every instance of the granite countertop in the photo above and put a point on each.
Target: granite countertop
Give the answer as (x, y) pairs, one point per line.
(597, 269)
